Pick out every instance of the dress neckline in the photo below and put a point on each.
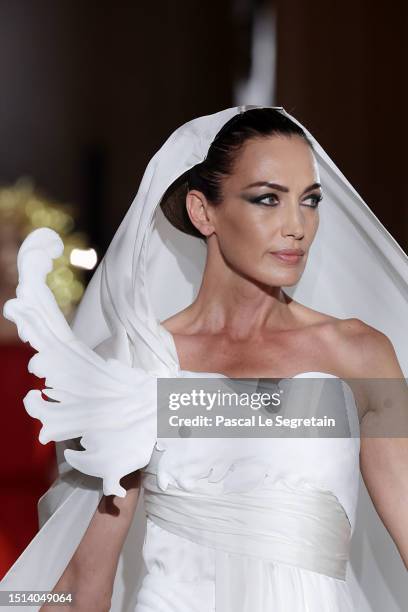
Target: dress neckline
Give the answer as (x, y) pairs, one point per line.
(169, 335)
(350, 402)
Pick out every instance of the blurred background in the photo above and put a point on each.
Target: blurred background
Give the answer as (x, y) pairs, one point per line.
(90, 91)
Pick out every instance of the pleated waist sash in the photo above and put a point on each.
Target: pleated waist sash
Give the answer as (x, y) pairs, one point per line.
(300, 526)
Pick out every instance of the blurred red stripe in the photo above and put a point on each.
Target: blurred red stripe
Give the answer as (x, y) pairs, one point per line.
(27, 467)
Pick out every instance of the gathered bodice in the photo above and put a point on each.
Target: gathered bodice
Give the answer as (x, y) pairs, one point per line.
(215, 466)
(245, 517)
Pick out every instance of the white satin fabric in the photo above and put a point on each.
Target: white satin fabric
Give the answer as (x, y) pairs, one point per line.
(290, 525)
(249, 535)
(237, 525)
(149, 272)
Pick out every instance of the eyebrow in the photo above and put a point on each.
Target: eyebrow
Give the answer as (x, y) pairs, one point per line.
(280, 187)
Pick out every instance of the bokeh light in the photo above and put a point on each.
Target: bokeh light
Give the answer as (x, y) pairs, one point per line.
(24, 208)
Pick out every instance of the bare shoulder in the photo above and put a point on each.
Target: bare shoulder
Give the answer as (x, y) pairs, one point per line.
(366, 351)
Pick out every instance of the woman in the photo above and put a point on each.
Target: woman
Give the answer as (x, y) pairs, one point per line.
(285, 507)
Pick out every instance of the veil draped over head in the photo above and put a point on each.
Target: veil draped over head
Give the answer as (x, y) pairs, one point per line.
(150, 271)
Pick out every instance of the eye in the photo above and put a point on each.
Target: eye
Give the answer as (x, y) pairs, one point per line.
(315, 199)
(269, 199)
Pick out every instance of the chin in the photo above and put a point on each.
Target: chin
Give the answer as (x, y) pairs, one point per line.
(278, 280)
(283, 278)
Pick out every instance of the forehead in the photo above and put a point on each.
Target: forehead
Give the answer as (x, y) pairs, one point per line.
(285, 159)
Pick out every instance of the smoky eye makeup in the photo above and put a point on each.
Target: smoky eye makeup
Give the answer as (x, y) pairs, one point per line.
(269, 199)
(272, 199)
(316, 198)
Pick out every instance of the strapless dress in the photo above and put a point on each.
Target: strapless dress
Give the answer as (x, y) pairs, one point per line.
(252, 524)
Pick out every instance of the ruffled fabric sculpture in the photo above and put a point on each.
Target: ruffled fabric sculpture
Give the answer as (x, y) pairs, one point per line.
(96, 397)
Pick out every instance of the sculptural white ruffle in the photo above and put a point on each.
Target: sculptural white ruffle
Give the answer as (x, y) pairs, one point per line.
(111, 406)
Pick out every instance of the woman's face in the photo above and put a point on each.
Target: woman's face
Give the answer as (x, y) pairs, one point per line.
(270, 205)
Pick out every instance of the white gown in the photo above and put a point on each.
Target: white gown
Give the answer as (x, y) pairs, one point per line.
(103, 373)
(268, 529)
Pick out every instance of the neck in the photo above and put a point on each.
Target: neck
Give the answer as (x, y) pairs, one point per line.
(230, 302)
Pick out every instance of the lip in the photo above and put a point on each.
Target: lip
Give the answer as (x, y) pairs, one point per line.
(289, 256)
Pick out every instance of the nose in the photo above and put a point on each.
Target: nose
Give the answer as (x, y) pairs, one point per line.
(292, 222)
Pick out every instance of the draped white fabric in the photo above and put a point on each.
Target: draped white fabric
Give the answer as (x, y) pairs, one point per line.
(297, 526)
(151, 271)
(257, 532)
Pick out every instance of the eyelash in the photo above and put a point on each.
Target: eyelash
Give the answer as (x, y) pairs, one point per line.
(316, 198)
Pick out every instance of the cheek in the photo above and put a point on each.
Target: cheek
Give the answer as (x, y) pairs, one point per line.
(312, 226)
(243, 238)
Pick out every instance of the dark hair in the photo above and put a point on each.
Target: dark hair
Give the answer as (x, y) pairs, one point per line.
(207, 176)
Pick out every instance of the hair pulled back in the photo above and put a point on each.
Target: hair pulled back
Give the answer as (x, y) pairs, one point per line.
(208, 175)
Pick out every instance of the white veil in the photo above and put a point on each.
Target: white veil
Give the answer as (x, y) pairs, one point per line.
(150, 271)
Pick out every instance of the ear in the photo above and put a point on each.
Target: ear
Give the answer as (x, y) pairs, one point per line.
(198, 209)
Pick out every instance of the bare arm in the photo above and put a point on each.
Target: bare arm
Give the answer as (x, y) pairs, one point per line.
(384, 460)
(90, 574)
